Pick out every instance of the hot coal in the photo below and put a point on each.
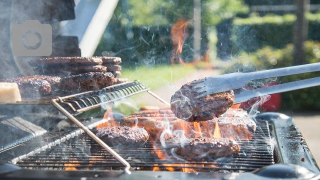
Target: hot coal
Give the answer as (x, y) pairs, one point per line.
(87, 81)
(186, 106)
(123, 135)
(198, 148)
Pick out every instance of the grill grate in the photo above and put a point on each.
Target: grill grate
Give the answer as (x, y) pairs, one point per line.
(82, 153)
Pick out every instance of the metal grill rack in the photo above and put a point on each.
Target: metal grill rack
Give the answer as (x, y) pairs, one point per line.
(77, 104)
(82, 153)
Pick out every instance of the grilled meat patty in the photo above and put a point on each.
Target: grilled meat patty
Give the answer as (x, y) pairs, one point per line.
(186, 106)
(35, 86)
(198, 148)
(123, 135)
(67, 70)
(87, 81)
(65, 61)
(234, 123)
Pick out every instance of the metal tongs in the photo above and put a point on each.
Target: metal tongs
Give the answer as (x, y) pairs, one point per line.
(236, 82)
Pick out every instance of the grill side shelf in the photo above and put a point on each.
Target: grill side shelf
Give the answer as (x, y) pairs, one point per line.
(292, 146)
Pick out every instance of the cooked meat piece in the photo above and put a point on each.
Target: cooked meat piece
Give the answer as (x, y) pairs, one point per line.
(116, 73)
(65, 61)
(112, 68)
(235, 123)
(35, 86)
(186, 106)
(122, 135)
(199, 148)
(72, 69)
(110, 60)
(86, 82)
(156, 121)
(120, 80)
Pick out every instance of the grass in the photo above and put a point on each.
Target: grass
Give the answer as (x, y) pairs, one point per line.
(157, 76)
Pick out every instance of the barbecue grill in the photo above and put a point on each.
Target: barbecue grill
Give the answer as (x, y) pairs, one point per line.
(74, 153)
(52, 137)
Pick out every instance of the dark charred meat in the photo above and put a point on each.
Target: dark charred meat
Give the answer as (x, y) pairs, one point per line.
(186, 106)
(200, 148)
(87, 81)
(35, 86)
(123, 136)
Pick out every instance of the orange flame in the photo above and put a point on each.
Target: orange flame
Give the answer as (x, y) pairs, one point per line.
(71, 166)
(111, 122)
(178, 35)
(216, 133)
(197, 129)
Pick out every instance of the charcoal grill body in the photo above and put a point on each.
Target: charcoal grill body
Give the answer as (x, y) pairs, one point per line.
(290, 148)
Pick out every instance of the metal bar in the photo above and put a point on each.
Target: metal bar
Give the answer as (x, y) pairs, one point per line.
(115, 99)
(159, 98)
(93, 136)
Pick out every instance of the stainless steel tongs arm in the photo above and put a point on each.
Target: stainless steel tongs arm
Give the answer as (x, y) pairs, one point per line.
(238, 80)
(243, 95)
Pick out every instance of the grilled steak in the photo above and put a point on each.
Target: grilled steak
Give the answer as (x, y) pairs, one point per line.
(35, 86)
(123, 135)
(186, 106)
(199, 148)
(234, 123)
(86, 82)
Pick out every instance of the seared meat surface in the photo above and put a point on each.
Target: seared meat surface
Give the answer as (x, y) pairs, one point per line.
(122, 135)
(186, 106)
(198, 148)
(234, 123)
(87, 81)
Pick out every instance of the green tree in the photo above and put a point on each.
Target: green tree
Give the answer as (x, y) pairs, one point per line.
(163, 12)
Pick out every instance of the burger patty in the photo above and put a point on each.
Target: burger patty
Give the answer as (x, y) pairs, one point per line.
(87, 81)
(65, 61)
(73, 69)
(122, 135)
(35, 86)
(198, 148)
(234, 123)
(186, 106)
